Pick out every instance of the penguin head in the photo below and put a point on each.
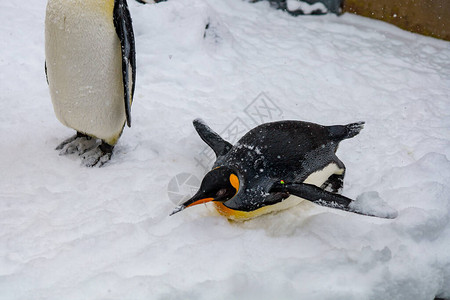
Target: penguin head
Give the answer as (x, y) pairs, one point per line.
(219, 185)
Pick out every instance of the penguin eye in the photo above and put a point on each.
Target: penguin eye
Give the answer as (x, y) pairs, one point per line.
(224, 194)
(221, 193)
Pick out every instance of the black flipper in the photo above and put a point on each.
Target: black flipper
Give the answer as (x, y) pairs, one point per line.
(124, 29)
(314, 194)
(317, 196)
(45, 67)
(210, 137)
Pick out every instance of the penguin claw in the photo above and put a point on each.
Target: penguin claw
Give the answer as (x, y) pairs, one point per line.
(96, 157)
(90, 158)
(66, 142)
(68, 149)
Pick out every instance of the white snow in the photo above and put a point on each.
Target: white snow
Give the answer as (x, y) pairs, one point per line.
(71, 232)
(370, 203)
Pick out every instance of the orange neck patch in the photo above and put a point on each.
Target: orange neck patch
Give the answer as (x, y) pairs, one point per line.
(238, 215)
(234, 180)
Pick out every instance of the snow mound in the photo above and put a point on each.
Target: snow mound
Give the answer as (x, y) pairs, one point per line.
(370, 203)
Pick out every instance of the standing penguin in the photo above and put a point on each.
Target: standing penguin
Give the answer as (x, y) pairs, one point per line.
(273, 167)
(91, 71)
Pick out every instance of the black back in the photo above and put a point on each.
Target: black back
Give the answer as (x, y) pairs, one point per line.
(285, 150)
(280, 150)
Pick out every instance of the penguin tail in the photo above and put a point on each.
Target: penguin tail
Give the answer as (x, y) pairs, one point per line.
(354, 128)
(342, 132)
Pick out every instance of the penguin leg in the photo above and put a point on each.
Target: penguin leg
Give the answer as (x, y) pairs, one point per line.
(97, 156)
(317, 195)
(334, 184)
(78, 143)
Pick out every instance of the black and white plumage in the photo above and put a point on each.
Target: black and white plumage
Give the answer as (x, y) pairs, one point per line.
(91, 72)
(273, 167)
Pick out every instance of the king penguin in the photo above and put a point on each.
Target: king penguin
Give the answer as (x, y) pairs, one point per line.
(273, 167)
(91, 71)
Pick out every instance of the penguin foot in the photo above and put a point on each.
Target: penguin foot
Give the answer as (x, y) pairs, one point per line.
(80, 143)
(97, 156)
(70, 140)
(93, 152)
(334, 184)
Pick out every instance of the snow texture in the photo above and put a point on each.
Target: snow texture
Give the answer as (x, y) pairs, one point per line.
(371, 204)
(71, 232)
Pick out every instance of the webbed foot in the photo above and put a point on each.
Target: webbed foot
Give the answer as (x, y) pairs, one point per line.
(98, 156)
(78, 143)
(93, 152)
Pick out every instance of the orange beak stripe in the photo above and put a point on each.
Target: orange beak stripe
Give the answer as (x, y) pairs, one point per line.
(205, 200)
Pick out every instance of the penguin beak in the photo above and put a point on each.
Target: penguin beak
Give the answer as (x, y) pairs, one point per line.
(195, 200)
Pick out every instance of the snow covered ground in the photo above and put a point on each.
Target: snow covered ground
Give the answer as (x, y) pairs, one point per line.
(71, 232)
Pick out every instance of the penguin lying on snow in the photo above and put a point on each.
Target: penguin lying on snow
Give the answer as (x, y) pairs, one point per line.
(91, 71)
(273, 167)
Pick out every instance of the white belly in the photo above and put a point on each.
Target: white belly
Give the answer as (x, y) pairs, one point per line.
(84, 67)
(319, 177)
